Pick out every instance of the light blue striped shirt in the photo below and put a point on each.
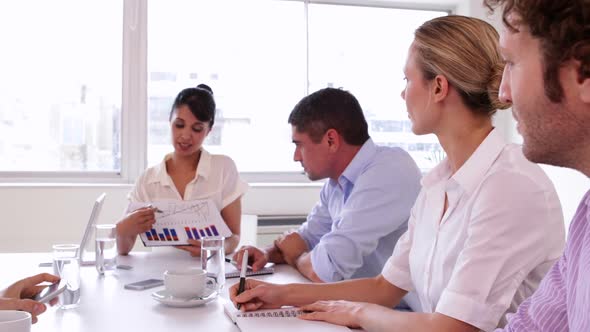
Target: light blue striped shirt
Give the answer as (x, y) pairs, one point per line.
(354, 227)
(562, 301)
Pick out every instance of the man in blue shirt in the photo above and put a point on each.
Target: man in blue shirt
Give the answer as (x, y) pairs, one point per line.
(364, 206)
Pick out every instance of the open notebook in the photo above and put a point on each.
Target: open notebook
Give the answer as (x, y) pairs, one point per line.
(231, 271)
(284, 320)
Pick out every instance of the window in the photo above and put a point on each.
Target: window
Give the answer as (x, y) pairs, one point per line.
(261, 57)
(363, 50)
(252, 56)
(86, 87)
(60, 88)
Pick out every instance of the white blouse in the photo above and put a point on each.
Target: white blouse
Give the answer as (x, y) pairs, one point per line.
(216, 178)
(501, 232)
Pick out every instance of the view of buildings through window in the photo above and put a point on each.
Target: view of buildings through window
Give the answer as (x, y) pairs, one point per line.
(257, 69)
(60, 91)
(254, 59)
(367, 58)
(60, 87)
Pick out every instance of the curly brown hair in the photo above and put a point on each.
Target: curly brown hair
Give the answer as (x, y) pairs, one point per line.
(563, 29)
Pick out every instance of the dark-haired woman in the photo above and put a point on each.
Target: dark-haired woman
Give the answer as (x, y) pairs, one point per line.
(188, 173)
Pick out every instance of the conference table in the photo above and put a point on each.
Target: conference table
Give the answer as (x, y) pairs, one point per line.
(106, 306)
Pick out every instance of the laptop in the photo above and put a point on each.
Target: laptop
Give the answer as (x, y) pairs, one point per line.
(87, 232)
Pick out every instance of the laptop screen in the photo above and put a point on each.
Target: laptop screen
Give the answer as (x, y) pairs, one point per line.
(89, 227)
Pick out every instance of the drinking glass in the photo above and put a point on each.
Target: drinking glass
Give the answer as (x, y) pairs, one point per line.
(213, 260)
(66, 265)
(106, 248)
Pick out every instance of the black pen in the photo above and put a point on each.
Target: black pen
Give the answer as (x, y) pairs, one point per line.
(155, 208)
(231, 261)
(243, 275)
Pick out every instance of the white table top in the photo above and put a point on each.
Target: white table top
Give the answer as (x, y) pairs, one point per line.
(106, 306)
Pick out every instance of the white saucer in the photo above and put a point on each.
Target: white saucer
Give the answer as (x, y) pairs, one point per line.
(165, 298)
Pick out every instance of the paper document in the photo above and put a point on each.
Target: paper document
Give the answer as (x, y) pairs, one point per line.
(178, 221)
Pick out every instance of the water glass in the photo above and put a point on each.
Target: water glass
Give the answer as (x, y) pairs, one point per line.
(106, 248)
(213, 260)
(66, 265)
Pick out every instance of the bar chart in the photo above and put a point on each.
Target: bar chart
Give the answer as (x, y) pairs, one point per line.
(196, 234)
(167, 234)
(180, 221)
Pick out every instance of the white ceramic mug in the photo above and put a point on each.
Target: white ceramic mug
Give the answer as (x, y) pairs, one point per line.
(15, 321)
(186, 282)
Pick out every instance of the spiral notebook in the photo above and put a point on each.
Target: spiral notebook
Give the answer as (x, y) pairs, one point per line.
(284, 320)
(236, 273)
(232, 271)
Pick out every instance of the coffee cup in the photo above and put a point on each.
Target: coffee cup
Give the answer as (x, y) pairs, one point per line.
(185, 283)
(15, 321)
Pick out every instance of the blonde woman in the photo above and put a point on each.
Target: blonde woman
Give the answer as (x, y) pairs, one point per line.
(487, 224)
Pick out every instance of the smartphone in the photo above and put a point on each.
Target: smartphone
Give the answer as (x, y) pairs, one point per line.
(145, 284)
(50, 292)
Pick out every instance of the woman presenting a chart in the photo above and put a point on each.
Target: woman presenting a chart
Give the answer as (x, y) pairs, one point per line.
(189, 173)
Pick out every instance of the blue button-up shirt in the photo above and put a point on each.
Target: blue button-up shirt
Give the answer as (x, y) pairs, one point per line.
(354, 227)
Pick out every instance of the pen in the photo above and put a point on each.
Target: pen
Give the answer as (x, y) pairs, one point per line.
(155, 208)
(236, 263)
(243, 275)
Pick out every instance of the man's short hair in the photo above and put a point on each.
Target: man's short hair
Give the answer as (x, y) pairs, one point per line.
(330, 108)
(563, 28)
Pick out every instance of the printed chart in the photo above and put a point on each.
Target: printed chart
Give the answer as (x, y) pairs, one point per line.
(179, 221)
(171, 234)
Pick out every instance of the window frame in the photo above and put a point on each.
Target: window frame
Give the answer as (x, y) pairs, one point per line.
(134, 108)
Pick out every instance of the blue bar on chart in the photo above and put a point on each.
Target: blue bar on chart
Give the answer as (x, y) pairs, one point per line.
(154, 234)
(208, 231)
(174, 235)
(149, 236)
(196, 234)
(188, 233)
(214, 229)
(167, 234)
(162, 238)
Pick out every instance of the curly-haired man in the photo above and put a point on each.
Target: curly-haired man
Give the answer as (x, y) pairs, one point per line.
(546, 46)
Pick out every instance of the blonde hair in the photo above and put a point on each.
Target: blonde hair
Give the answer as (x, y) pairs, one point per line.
(465, 51)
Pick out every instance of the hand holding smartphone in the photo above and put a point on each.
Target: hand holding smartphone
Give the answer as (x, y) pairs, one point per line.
(50, 292)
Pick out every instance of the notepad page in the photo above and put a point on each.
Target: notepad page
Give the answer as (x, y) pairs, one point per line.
(249, 273)
(284, 320)
(284, 324)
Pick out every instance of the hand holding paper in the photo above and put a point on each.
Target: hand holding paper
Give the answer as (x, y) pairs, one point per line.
(176, 222)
